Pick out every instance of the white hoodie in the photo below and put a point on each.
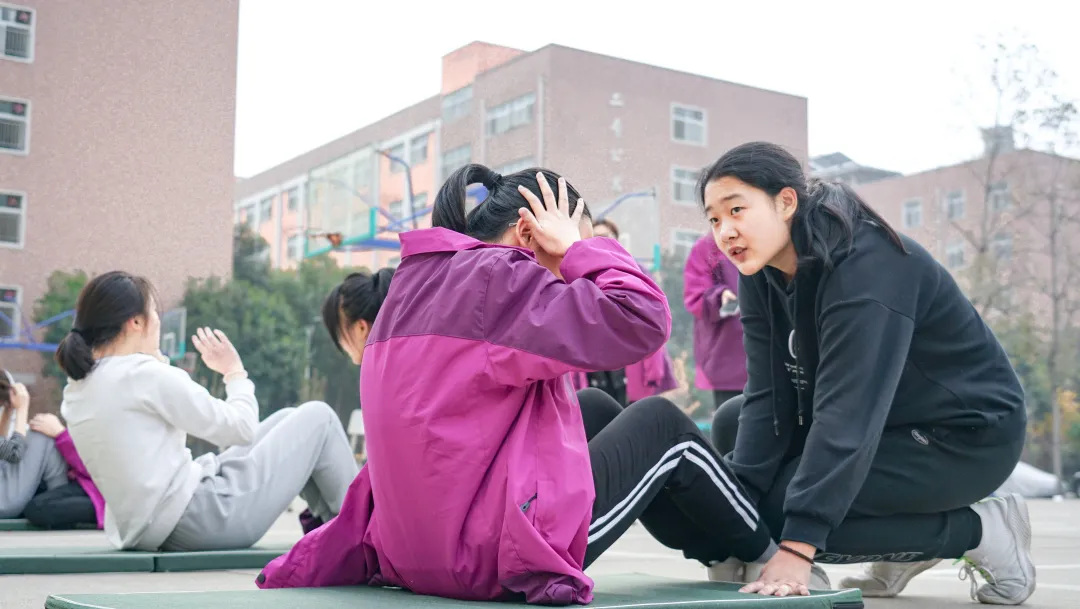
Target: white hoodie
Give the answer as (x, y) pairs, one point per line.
(129, 419)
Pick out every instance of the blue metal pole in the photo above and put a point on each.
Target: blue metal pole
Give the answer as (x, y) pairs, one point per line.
(408, 184)
(617, 202)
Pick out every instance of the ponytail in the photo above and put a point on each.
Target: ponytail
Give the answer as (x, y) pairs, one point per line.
(75, 356)
(827, 218)
(449, 211)
(358, 298)
(491, 218)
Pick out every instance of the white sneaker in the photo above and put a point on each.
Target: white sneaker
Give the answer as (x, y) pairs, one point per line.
(1003, 557)
(886, 579)
(735, 570)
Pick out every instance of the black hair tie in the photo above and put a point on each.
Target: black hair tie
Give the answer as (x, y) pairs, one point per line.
(496, 179)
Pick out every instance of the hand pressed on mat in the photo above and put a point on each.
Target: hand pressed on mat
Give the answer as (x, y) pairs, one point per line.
(785, 574)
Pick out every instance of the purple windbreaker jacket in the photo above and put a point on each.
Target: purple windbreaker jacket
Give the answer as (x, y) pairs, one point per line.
(478, 484)
(719, 356)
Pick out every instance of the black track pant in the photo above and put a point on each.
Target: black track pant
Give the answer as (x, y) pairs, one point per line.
(651, 463)
(63, 507)
(914, 504)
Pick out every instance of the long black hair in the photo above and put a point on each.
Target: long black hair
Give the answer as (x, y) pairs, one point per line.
(358, 297)
(6, 383)
(827, 212)
(491, 218)
(105, 304)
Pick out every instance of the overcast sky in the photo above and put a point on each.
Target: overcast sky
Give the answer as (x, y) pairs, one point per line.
(883, 79)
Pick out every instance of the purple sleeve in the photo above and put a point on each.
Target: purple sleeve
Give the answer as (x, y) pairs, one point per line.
(66, 446)
(705, 279)
(606, 315)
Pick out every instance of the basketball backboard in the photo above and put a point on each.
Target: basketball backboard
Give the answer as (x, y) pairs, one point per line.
(174, 333)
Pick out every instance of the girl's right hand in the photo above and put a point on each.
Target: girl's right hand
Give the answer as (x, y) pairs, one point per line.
(217, 352)
(19, 397)
(554, 229)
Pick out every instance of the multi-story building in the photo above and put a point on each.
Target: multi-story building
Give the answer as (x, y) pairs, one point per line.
(116, 146)
(989, 221)
(617, 129)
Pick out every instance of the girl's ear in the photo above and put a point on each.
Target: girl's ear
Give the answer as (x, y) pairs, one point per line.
(788, 202)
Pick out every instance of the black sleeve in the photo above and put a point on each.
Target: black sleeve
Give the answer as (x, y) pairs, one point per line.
(863, 348)
(12, 449)
(758, 450)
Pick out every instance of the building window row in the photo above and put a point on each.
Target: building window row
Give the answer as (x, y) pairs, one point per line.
(17, 31)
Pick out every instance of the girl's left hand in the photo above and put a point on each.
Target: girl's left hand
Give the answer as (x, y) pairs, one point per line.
(47, 424)
(784, 575)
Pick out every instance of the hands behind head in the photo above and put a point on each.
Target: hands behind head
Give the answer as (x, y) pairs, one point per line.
(19, 397)
(217, 352)
(47, 424)
(551, 224)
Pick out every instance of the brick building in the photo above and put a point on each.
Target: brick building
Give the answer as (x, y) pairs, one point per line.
(614, 127)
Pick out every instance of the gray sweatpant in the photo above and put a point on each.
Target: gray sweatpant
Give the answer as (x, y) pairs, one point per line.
(19, 482)
(297, 451)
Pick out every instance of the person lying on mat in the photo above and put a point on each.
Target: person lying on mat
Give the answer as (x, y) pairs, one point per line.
(129, 413)
(879, 409)
(481, 483)
(28, 459)
(79, 502)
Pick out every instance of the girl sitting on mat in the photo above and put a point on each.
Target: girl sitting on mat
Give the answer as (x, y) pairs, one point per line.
(129, 413)
(481, 482)
(651, 376)
(28, 459)
(880, 408)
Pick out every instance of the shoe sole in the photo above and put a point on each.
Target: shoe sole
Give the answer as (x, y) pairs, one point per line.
(900, 583)
(1019, 521)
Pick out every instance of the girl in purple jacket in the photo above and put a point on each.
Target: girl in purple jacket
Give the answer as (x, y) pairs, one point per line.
(482, 482)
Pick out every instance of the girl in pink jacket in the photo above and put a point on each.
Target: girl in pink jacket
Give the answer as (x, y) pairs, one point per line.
(482, 482)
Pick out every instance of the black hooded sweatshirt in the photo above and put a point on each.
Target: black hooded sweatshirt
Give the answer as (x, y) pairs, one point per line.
(881, 339)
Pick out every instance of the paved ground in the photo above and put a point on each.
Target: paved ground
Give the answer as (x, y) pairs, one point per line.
(1056, 548)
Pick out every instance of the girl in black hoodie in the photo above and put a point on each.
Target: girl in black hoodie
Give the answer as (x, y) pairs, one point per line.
(880, 410)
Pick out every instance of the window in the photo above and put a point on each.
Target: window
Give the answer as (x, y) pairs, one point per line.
(516, 166)
(954, 255)
(682, 241)
(14, 126)
(418, 150)
(683, 184)
(292, 199)
(17, 26)
(999, 197)
(454, 159)
(687, 124)
(9, 312)
(954, 205)
(1001, 245)
(12, 219)
(266, 208)
(294, 247)
(913, 213)
(514, 113)
(457, 104)
(398, 154)
(362, 173)
(397, 209)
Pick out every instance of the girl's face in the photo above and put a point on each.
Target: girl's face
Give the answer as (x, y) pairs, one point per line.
(752, 228)
(144, 331)
(353, 338)
(602, 230)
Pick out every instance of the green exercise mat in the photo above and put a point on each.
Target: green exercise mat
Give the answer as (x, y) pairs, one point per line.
(53, 561)
(612, 592)
(22, 524)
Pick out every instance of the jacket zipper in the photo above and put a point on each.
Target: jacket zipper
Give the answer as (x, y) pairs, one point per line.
(525, 506)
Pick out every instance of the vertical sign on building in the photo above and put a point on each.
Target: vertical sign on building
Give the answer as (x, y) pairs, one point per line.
(616, 102)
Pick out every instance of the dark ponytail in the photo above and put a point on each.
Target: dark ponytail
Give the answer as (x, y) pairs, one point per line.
(358, 297)
(491, 218)
(105, 304)
(827, 212)
(6, 383)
